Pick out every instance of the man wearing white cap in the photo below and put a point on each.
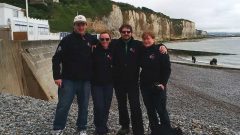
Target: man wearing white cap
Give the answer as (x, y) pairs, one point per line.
(72, 71)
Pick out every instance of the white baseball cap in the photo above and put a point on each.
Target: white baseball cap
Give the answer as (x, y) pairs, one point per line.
(80, 18)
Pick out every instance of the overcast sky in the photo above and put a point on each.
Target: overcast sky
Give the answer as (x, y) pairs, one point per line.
(209, 15)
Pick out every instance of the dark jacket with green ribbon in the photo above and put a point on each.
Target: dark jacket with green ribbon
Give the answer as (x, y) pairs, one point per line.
(126, 61)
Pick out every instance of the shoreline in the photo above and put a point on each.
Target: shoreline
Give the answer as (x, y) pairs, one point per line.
(196, 39)
(183, 52)
(226, 59)
(175, 58)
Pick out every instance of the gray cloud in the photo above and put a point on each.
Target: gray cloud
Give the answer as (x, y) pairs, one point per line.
(209, 15)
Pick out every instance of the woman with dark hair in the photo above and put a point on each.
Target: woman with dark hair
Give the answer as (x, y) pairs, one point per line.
(154, 76)
(102, 88)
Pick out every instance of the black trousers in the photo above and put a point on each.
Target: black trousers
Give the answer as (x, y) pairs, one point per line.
(124, 93)
(155, 102)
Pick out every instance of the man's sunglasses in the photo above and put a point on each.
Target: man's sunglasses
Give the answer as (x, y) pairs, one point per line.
(128, 32)
(104, 39)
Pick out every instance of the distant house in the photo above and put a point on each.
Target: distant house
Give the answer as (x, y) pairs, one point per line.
(13, 17)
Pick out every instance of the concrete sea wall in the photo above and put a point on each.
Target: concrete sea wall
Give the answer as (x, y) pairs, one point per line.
(25, 68)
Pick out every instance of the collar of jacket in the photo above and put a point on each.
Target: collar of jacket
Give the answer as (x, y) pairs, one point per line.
(129, 41)
(150, 47)
(99, 46)
(79, 35)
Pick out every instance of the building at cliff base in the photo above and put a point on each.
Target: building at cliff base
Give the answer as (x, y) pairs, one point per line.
(13, 17)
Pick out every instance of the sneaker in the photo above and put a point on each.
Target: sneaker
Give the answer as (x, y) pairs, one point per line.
(123, 131)
(83, 132)
(57, 132)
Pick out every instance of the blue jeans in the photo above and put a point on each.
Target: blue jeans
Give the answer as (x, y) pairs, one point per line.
(65, 98)
(102, 98)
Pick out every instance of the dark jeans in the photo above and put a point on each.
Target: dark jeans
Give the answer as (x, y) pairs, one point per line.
(130, 92)
(65, 98)
(155, 102)
(102, 98)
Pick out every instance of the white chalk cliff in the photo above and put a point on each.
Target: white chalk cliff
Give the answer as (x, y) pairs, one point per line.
(163, 27)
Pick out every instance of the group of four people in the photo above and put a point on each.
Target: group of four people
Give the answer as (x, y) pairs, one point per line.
(82, 64)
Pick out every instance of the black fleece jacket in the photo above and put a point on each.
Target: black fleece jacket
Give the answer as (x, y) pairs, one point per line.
(156, 67)
(102, 66)
(72, 59)
(126, 61)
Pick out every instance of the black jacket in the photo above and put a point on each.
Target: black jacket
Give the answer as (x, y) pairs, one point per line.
(156, 67)
(72, 59)
(102, 66)
(126, 65)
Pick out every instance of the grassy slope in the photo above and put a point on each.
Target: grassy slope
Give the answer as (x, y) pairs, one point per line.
(63, 14)
(60, 15)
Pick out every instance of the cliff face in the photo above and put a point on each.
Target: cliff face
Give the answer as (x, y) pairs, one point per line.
(164, 28)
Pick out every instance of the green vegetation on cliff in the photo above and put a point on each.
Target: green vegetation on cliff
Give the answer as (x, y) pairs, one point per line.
(60, 15)
(63, 13)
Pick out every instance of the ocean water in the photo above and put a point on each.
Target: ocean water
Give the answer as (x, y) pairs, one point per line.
(220, 45)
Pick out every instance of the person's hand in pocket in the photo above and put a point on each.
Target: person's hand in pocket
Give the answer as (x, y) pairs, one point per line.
(58, 82)
(161, 86)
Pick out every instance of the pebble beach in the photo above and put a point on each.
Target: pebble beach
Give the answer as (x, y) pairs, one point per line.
(201, 101)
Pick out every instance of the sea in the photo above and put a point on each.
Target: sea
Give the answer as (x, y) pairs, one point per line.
(230, 45)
